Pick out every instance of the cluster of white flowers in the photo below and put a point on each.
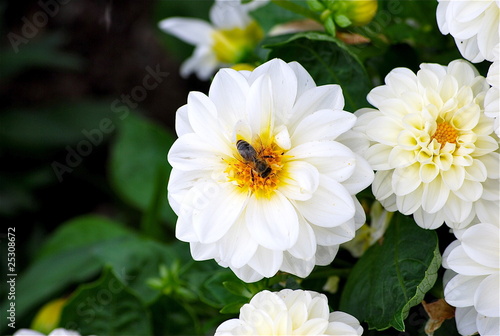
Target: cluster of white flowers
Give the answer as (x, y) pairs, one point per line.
(290, 312)
(267, 166)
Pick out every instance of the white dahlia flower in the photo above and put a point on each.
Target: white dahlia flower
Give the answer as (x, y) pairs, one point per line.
(492, 99)
(475, 289)
(229, 39)
(55, 332)
(473, 24)
(290, 312)
(434, 150)
(259, 181)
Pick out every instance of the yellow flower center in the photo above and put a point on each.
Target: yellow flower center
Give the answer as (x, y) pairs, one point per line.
(445, 133)
(234, 45)
(258, 173)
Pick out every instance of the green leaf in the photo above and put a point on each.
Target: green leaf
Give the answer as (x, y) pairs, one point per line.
(56, 126)
(392, 276)
(328, 60)
(81, 232)
(139, 169)
(106, 307)
(216, 293)
(80, 248)
(271, 15)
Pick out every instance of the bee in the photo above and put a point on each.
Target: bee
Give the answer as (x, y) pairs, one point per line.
(249, 154)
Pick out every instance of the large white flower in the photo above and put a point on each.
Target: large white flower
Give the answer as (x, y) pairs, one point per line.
(290, 312)
(475, 289)
(434, 150)
(228, 39)
(259, 181)
(474, 25)
(492, 99)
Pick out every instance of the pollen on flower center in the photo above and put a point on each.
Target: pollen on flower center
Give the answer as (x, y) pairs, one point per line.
(260, 173)
(445, 133)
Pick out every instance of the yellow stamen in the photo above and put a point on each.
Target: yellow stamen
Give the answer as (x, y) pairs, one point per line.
(445, 133)
(245, 174)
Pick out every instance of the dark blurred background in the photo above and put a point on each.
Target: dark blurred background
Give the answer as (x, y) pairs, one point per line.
(65, 66)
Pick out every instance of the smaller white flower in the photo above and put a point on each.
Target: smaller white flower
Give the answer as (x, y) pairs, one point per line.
(434, 149)
(474, 289)
(473, 24)
(290, 312)
(55, 332)
(229, 39)
(492, 98)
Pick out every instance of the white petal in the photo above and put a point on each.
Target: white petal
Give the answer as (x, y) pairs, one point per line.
(228, 92)
(304, 79)
(408, 204)
(428, 221)
(326, 254)
(190, 152)
(284, 87)
(435, 195)
(204, 120)
(201, 251)
(323, 125)
(259, 107)
(228, 15)
(348, 319)
(223, 204)
(247, 274)
(192, 31)
(382, 184)
(487, 297)
(331, 204)
(266, 262)
(488, 325)
(459, 292)
(470, 191)
(488, 37)
(331, 158)
(315, 326)
(385, 130)
(305, 247)
(203, 62)
(299, 267)
(335, 235)
(273, 221)
(299, 180)
(456, 210)
(182, 125)
(341, 329)
(461, 263)
(315, 99)
(466, 320)
(361, 178)
(481, 242)
(454, 177)
(406, 180)
(378, 156)
(237, 247)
